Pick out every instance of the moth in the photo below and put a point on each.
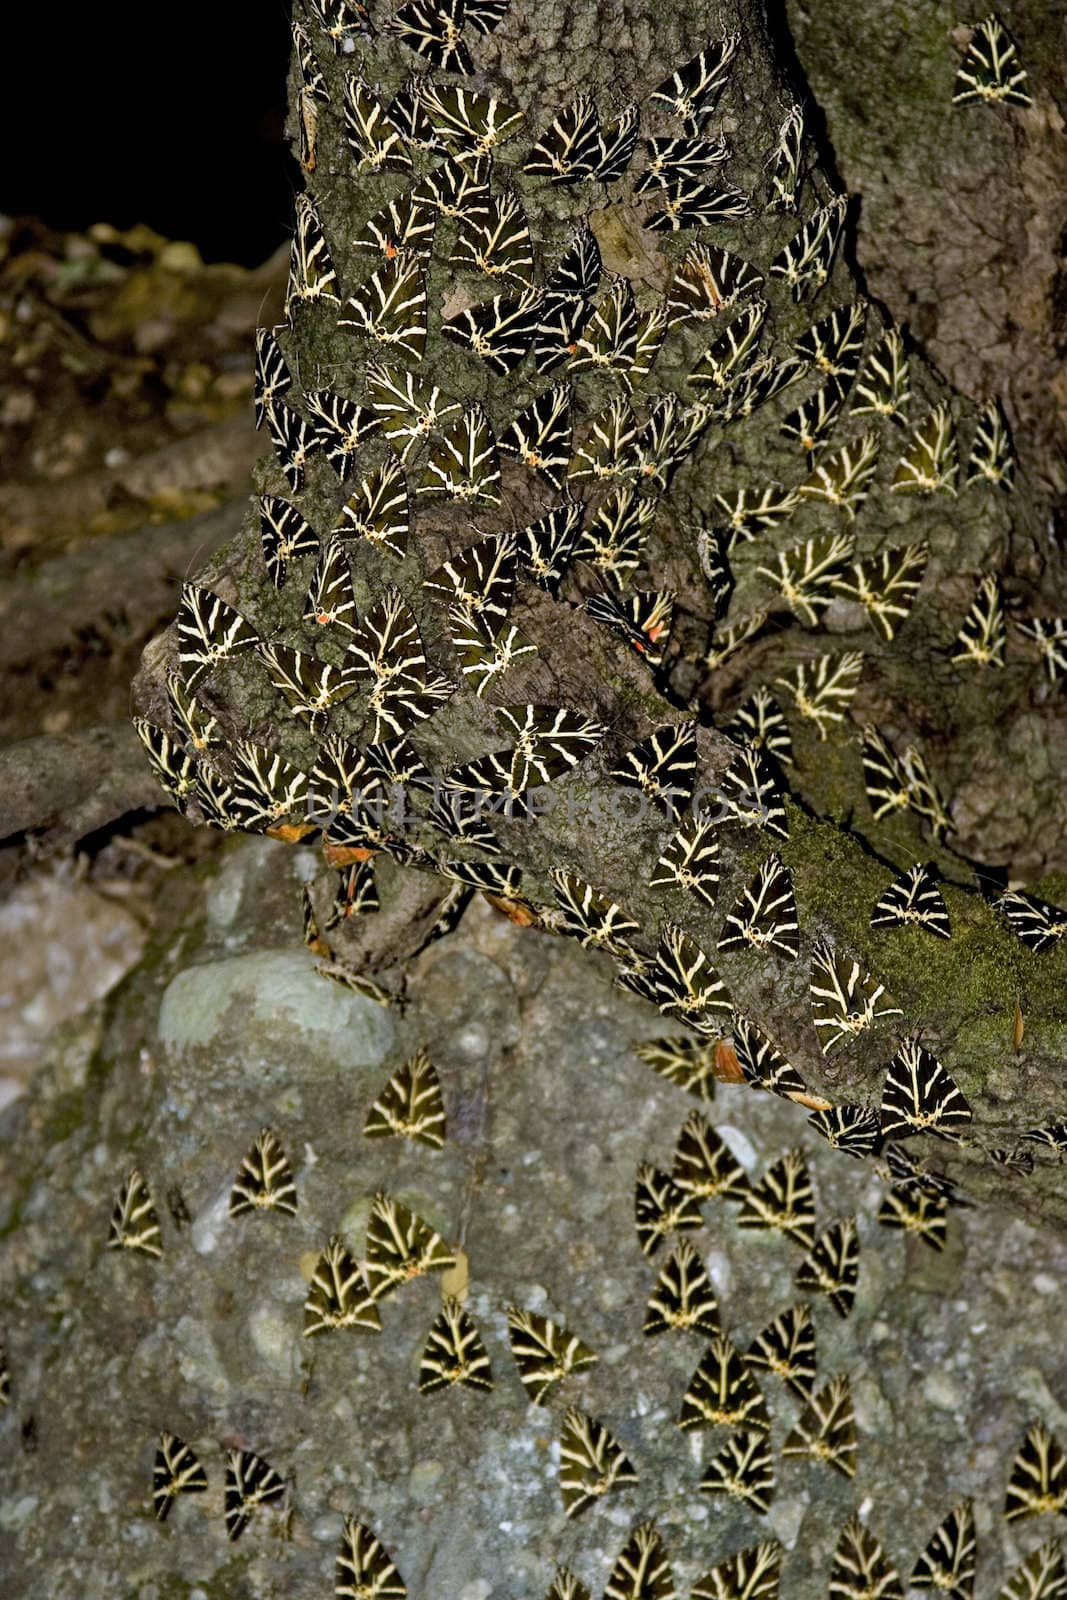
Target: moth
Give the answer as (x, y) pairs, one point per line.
(683, 1299)
(673, 160)
(550, 741)
(312, 78)
(454, 1352)
(215, 799)
(386, 655)
(806, 261)
(339, 1295)
(272, 376)
(823, 686)
(607, 451)
(408, 114)
(749, 1574)
(919, 1096)
(751, 794)
(498, 331)
(409, 407)
(545, 1353)
(692, 91)
(762, 1064)
(1042, 1576)
(983, 636)
(174, 768)
(808, 574)
(546, 547)
(343, 22)
(331, 600)
(663, 766)
(782, 1199)
(356, 894)
(642, 1569)
(311, 686)
(613, 540)
(744, 1470)
(723, 1391)
(469, 124)
(760, 724)
(826, 1429)
(540, 436)
(688, 203)
(565, 1586)
(992, 458)
(1053, 1135)
(250, 1482)
(913, 899)
(949, 1561)
(404, 226)
(410, 1106)
(710, 280)
(758, 386)
(464, 464)
(861, 1569)
(378, 510)
(704, 1165)
(433, 29)
(583, 913)
(725, 642)
(786, 1348)
(746, 516)
(912, 1210)
(990, 73)
(883, 388)
(691, 858)
(484, 655)
(661, 1206)
(363, 1566)
(134, 1222)
(457, 190)
(311, 271)
(617, 143)
(1035, 923)
(855, 1130)
(885, 585)
(684, 1061)
(293, 439)
(845, 1000)
(373, 139)
(484, 16)
(570, 148)
(400, 1246)
(884, 776)
(481, 579)
(198, 728)
(732, 354)
(340, 428)
(1049, 634)
(783, 165)
(176, 1471)
(834, 344)
(1038, 1479)
(560, 320)
(390, 307)
(715, 566)
(843, 479)
(908, 1173)
(265, 1181)
(930, 464)
(591, 1462)
(814, 419)
(765, 916)
(832, 1266)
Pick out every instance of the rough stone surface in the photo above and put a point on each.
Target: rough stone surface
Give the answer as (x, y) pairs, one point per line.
(549, 1112)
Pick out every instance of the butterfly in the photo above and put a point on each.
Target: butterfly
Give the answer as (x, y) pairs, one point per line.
(861, 1569)
(710, 280)
(454, 1352)
(410, 1106)
(732, 354)
(831, 1266)
(853, 1129)
(469, 124)
(1050, 636)
(751, 794)
(546, 547)
(663, 766)
(948, 1563)
(683, 1060)
(884, 386)
(913, 899)
(540, 436)
(338, 1295)
(690, 204)
(174, 768)
(693, 89)
(272, 376)
(691, 858)
(642, 1569)
(912, 1210)
(479, 580)
(845, 1000)
(806, 261)
(782, 1199)
(784, 162)
(704, 1165)
(749, 1574)
(311, 686)
(363, 1567)
(683, 1298)
(990, 72)
(930, 464)
(464, 464)
(992, 458)
(844, 478)
(265, 1181)
(744, 1470)
(400, 1246)
(722, 1390)
(1038, 1479)
(826, 1429)
(404, 226)
(763, 1064)
(919, 1096)
(250, 1482)
(760, 724)
(373, 139)
(390, 307)
(1042, 1576)
(983, 636)
(885, 585)
(294, 443)
(311, 272)
(786, 1348)
(176, 1471)
(591, 1462)
(432, 28)
(642, 618)
(134, 1222)
(545, 1353)
(823, 687)
(661, 1206)
(1035, 923)
(765, 915)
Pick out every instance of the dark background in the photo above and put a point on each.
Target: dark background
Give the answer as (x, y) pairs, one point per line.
(170, 115)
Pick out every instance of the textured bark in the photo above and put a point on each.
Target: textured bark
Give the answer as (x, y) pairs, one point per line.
(964, 995)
